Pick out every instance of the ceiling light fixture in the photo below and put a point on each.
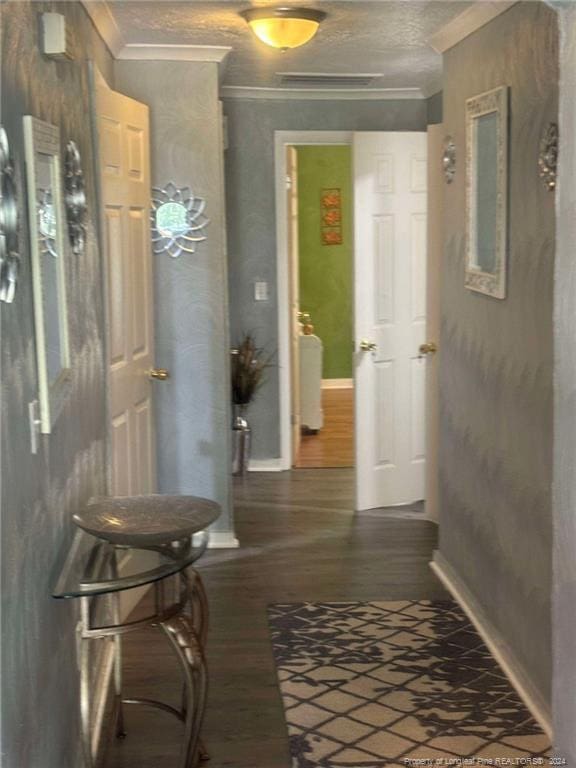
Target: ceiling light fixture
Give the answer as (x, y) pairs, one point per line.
(284, 28)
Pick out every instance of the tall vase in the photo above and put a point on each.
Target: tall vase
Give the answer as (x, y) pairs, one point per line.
(241, 439)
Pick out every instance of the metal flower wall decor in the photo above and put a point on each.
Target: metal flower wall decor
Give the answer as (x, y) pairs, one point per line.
(548, 157)
(449, 159)
(177, 219)
(9, 257)
(75, 196)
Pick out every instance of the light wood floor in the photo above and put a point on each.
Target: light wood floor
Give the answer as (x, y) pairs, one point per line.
(333, 446)
(299, 541)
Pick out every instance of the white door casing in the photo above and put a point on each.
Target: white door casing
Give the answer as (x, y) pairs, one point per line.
(123, 133)
(294, 267)
(390, 182)
(433, 282)
(282, 140)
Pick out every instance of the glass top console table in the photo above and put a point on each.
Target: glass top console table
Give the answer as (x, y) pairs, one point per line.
(98, 571)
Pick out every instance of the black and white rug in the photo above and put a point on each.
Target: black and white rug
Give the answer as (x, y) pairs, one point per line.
(376, 684)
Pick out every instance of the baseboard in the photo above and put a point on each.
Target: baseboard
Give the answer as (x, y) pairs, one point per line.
(337, 383)
(265, 465)
(223, 540)
(499, 648)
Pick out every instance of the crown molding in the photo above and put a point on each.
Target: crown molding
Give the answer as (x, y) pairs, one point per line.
(146, 51)
(103, 19)
(321, 94)
(467, 22)
(105, 23)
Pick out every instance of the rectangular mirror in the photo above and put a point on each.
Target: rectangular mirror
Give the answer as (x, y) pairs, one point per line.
(487, 192)
(48, 255)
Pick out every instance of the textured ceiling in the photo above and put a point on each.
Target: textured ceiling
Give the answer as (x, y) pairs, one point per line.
(385, 37)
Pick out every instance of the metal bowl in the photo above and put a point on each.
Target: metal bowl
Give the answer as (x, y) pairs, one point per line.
(141, 521)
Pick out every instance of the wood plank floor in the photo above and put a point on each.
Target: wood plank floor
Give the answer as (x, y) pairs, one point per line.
(333, 446)
(300, 541)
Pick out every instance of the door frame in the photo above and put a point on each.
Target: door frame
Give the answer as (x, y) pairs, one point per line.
(282, 140)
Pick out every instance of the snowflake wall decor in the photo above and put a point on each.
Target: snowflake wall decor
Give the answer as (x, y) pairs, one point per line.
(177, 219)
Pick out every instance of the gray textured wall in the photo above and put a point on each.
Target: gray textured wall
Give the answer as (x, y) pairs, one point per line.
(251, 214)
(191, 292)
(564, 612)
(496, 356)
(39, 493)
(434, 108)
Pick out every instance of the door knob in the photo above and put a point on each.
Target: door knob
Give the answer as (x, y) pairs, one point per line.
(159, 373)
(429, 348)
(368, 346)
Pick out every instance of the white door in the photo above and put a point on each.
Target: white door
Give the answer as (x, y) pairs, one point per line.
(434, 275)
(390, 317)
(123, 131)
(294, 262)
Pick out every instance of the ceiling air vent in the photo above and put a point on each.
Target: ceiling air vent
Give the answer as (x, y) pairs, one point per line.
(324, 80)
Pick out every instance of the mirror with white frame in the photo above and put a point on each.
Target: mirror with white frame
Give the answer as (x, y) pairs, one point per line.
(487, 192)
(48, 256)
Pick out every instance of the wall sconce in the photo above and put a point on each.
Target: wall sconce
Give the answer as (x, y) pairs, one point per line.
(284, 28)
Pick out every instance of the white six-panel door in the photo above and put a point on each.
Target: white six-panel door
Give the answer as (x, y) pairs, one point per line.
(123, 130)
(390, 181)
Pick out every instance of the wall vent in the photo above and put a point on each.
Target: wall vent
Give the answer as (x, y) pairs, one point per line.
(326, 80)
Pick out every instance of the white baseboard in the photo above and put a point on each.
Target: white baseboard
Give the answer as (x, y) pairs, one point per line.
(265, 465)
(223, 540)
(337, 383)
(499, 648)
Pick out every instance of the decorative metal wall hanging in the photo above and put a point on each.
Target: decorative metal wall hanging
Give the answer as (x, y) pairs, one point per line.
(449, 159)
(9, 257)
(177, 219)
(331, 216)
(548, 157)
(75, 198)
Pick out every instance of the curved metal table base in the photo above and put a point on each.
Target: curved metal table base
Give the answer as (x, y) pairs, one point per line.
(182, 616)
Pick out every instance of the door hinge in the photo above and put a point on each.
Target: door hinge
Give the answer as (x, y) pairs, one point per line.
(288, 182)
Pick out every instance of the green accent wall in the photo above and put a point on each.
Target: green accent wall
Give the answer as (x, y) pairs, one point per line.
(326, 270)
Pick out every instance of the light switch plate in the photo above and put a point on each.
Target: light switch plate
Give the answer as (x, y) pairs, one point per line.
(260, 290)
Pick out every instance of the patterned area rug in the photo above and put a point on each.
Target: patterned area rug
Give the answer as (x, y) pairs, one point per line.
(392, 683)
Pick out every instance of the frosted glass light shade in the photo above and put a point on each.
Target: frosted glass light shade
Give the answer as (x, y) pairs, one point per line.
(284, 28)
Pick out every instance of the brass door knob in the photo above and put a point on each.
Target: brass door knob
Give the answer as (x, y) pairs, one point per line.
(159, 373)
(368, 346)
(429, 348)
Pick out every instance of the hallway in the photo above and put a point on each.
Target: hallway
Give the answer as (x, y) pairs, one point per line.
(299, 542)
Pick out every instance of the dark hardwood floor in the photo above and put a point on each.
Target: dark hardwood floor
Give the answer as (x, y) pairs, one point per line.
(300, 541)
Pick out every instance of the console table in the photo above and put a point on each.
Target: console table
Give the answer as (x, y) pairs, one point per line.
(96, 567)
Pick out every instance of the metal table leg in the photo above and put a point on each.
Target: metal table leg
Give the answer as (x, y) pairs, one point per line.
(184, 621)
(190, 654)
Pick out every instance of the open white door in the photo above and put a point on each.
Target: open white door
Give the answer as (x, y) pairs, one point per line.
(390, 181)
(123, 132)
(293, 257)
(434, 272)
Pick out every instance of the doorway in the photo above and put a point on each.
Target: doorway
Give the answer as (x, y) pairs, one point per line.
(393, 361)
(321, 265)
